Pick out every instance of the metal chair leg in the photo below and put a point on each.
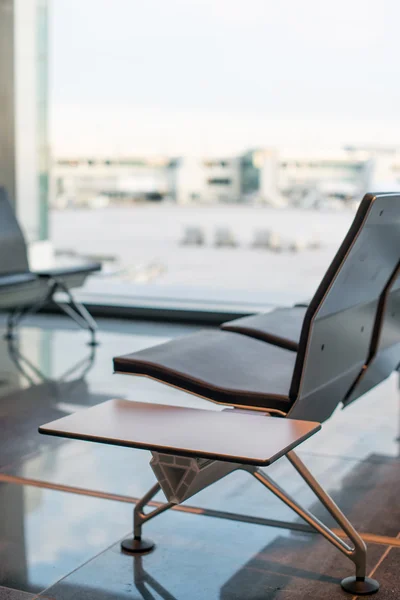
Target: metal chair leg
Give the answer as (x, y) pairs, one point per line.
(10, 332)
(138, 545)
(359, 584)
(76, 311)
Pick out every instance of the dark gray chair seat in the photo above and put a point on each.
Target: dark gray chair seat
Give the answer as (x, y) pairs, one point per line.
(69, 270)
(70, 276)
(21, 290)
(17, 279)
(281, 327)
(223, 366)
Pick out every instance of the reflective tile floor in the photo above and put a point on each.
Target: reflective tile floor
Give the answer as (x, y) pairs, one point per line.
(65, 505)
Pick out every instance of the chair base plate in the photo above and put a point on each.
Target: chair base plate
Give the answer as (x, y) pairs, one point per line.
(137, 546)
(360, 586)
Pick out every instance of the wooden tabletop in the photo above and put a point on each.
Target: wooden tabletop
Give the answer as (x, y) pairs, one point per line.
(227, 435)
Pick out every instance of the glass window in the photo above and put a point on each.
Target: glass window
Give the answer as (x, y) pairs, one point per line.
(174, 121)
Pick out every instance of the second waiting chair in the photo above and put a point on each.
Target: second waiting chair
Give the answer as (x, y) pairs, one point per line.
(24, 292)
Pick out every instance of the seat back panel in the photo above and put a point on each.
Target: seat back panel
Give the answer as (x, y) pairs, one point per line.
(385, 353)
(322, 402)
(338, 327)
(366, 269)
(379, 370)
(13, 252)
(339, 343)
(390, 333)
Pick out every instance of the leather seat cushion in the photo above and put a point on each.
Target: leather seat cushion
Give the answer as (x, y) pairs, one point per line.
(223, 366)
(281, 327)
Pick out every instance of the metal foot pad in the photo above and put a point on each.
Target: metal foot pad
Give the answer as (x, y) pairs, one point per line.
(360, 586)
(137, 546)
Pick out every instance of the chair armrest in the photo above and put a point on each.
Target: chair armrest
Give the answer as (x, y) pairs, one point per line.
(219, 435)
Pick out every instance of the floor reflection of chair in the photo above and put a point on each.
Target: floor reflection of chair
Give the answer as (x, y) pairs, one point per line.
(289, 566)
(13, 565)
(26, 367)
(46, 396)
(143, 580)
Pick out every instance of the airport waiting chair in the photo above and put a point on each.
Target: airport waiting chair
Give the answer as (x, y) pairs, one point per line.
(299, 363)
(23, 292)
(311, 356)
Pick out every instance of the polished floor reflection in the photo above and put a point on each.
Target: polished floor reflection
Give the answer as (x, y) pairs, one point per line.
(64, 505)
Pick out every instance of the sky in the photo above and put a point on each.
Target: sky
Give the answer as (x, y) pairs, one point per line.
(221, 76)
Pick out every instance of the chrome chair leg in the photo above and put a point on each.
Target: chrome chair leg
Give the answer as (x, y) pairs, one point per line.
(76, 311)
(138, 545)
(359, 584)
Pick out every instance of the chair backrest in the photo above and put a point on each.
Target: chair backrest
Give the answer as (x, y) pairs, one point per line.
(384, 355)
(339, 323)
(13, 254)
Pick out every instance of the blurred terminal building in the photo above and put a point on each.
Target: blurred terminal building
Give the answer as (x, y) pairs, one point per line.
(34, 180)
(265, 176)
